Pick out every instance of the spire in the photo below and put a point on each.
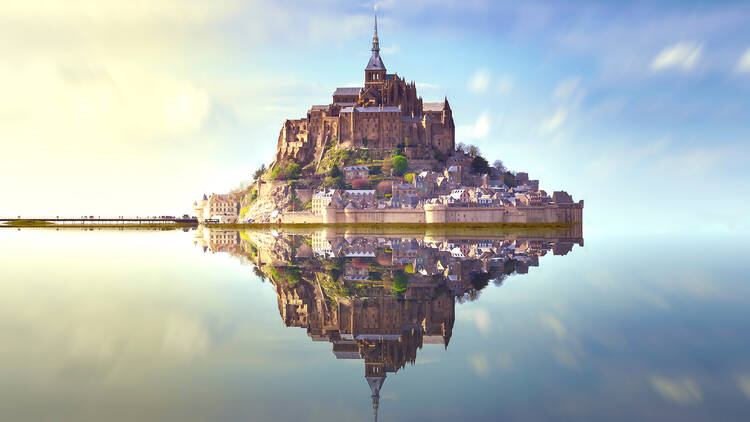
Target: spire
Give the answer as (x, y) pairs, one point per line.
(375, 384)
(375, 43)
(375, 63)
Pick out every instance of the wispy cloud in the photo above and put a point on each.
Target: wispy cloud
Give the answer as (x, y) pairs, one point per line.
(480, 81)
(743, 64)
(682, 55)
(505, 85)
(553, 122)
(479, 364)
(566, 88)
(480, 129)
(683, 390)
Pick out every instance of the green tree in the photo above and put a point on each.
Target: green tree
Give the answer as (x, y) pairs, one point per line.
(259, 172)
(333, 182)
(334, 171)
(400, 281)
(480, 165)
(293, 171)
(400, 165)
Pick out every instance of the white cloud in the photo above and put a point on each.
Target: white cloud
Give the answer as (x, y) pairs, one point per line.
(480, 128)
(479, 364)
(681, 55)
(480, 318)
(743, 381)
(684, 391)
(480, 81)
(505, 85)
(552, 123)
(566, 88)
(424, 86)
(743, 64)
(555, 325)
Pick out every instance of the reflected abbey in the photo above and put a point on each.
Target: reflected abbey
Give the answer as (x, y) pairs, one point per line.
(382, 297)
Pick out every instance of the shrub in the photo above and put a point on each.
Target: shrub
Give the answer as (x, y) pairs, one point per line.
(375, 169)
(480, 165)
(334, 171)
(333, 182)
(360, 183)
(400, 281)
(384, 187)
(409, 177)
(400, 165)
(292, 171)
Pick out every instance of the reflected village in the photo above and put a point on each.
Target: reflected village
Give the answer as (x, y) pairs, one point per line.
(381, 297)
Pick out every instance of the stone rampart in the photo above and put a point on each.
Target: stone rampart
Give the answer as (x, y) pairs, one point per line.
(441, 214)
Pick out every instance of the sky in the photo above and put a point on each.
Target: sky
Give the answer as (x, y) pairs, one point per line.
(641, 109)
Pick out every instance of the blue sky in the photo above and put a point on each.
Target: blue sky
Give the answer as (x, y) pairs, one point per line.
(641, 108)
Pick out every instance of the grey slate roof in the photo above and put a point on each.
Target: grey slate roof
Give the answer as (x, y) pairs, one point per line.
(436, 106)
(347, 90)
(375, 63)
(390, 109)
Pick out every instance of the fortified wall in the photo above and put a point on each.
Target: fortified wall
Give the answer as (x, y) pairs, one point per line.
(441, 214)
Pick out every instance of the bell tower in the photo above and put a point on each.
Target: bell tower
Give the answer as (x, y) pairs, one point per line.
(375, 70)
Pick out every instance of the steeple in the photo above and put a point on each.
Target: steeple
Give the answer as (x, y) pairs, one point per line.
(375, 43)
(375, 384)
(375, 70)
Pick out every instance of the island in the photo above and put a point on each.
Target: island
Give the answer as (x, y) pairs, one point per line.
(379, 154)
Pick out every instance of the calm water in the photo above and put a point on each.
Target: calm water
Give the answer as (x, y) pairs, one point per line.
(265, 326)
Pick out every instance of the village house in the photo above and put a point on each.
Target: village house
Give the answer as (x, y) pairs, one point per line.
(363, 198)
(222, 207)
(355, 172)
(321, 199)
(424, 183)
(403, 189)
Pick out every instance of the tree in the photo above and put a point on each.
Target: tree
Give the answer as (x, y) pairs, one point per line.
(387, 167)
(384, 187)
(400, 165)
(400, 281)
(409, 177)
(473, 151)
(498, 165)
(509, 179)
(333, 182)
(480, 165)
(293, 171)
(460, 147)
(259, 172)
(334, 171)
(360, 183)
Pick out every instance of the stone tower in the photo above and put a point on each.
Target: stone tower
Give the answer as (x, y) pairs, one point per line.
(375, 70)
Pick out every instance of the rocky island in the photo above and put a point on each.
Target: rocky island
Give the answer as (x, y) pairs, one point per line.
(379, 154)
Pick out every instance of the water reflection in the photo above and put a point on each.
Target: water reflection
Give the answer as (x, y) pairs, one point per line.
(382, 297)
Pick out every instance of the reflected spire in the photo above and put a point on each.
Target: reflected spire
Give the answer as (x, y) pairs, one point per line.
(375, 384)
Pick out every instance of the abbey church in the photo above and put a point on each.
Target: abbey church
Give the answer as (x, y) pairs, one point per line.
(384, 114)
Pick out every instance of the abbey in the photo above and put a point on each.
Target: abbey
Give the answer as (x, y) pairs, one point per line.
(383, 114)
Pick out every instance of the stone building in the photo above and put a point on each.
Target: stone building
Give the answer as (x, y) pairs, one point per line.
(321, 199)
(222, 207)
(355, 172)
(383, 114)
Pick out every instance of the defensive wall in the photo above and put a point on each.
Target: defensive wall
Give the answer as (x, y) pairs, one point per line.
(441, 214)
